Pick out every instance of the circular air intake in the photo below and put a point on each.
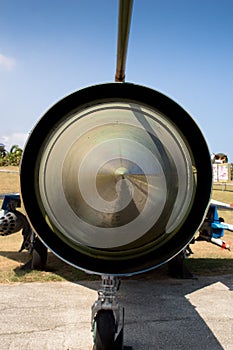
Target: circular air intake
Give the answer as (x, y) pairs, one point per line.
(116, 178)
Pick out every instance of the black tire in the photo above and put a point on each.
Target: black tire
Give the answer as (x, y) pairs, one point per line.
(39, 255)
(105, 330)
(118, 344)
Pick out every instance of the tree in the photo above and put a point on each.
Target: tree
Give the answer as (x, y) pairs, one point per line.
(11, 158)
(3, 151)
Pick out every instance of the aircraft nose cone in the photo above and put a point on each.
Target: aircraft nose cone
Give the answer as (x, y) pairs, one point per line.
(122, 171)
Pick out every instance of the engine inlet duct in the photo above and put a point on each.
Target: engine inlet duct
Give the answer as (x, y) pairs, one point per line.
(116, 178)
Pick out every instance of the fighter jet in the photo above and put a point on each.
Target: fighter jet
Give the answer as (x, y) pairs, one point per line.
(113, 183)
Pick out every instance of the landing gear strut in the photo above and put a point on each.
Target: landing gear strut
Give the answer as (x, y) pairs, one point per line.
(108, 317)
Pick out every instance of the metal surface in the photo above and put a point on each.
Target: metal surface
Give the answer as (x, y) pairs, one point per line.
(114, 178)
(124, 19)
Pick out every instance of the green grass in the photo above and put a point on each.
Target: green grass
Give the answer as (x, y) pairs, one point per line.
(21, 276)
(207, 259)
(56, 270)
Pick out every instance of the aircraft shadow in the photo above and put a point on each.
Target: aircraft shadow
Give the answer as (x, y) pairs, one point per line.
(20, 257)
(54, 265)
(160, 312)
(164, 314)
(72, 274)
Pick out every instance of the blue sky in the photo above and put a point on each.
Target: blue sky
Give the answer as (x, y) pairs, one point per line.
(183, 49)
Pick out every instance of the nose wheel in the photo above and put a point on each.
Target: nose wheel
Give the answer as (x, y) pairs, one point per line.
(108, 317)
(104, 330)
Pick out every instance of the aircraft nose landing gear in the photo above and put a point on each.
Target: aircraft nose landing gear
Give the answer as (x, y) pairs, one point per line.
(108, 317)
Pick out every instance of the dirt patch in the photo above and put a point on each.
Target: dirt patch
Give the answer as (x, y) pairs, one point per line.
(9, 179)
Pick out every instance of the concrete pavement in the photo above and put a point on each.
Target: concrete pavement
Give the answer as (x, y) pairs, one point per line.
(164, 314)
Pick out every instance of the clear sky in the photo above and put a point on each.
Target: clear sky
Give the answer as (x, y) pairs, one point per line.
(183, 49)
